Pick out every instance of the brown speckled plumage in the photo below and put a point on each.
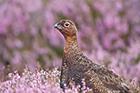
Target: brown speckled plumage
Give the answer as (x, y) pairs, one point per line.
(76, 66)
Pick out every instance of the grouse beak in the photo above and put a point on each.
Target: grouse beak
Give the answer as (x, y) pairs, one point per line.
(58, 26)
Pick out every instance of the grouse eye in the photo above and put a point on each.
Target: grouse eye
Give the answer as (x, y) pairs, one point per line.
(67, 24)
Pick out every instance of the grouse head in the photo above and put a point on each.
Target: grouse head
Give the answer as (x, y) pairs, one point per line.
(67, 28)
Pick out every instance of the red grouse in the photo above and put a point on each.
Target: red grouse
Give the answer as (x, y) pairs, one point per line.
(76, 66)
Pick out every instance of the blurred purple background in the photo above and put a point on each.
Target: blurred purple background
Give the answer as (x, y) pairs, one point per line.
(109, 33)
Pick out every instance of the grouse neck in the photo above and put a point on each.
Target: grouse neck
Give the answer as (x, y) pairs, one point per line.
(71, 45)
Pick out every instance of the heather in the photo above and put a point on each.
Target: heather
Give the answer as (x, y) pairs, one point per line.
(109, 33)
(37, 82)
